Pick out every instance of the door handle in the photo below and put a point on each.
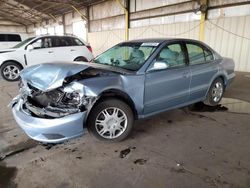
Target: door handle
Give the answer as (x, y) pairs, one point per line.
(50, 52)
(72, 50)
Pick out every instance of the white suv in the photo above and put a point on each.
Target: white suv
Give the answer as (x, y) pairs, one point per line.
(8, 40)
(42, 49)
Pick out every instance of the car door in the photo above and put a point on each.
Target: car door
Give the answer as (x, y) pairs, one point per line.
(78, 49)
(62, 46)
(68, 48)
(203, 68)
(41, 51)
(167, 88)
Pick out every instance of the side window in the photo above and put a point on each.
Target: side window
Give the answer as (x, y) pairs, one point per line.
(2, 37)
(172, 55)
(10, 38)
(42, 43)
(208, 55)
(13, 38)
(56, 42)
(46, 42)
(77, 42)
(198, 55)
(37, 44)
(65, 41)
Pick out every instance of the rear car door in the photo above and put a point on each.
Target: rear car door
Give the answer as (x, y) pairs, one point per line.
(42, 51)
(167, 88)
(203, 68)
(69, 48)
(79, 49)
(62, 47)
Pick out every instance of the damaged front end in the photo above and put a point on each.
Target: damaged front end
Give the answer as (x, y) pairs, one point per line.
(52, 91)
(52, 109)
(55, 103)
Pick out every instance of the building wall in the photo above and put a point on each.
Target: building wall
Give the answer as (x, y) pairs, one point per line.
(11, 27)
(67, 20)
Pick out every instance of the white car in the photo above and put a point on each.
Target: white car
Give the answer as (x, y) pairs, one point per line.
(42, 49)
(8, 40)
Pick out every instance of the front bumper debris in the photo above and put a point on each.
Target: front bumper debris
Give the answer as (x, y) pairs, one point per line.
(48, 130)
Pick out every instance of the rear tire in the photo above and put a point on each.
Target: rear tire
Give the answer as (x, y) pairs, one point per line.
(111, 120)
(215, 92)
(10, 71)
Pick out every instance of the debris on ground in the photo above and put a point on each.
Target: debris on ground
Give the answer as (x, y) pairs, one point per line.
(126, 151)
(140, 161)
(48, 146)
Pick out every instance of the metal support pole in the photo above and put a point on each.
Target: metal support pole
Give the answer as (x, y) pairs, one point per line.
(202, 20)
(126, 18)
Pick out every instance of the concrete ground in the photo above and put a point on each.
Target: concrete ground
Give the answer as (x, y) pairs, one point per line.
(203, 147)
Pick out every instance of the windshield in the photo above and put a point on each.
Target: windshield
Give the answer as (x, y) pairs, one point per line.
(20, 44)
(129, 56)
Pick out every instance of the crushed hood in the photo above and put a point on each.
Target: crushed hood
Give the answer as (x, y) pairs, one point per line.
(49, 76)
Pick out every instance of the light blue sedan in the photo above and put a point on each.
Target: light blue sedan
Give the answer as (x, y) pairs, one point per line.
(132, 80)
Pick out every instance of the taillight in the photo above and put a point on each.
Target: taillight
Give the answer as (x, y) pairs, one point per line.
(90, 49)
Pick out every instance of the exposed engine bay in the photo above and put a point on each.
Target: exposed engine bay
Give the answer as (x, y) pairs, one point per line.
(58, 93)
(71, 97)
(56, 103)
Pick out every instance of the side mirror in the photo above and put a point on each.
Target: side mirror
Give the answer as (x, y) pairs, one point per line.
(30, 47)
(158, 65)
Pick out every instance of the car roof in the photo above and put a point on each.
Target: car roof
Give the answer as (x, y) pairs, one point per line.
(57, 36)
(160, 40)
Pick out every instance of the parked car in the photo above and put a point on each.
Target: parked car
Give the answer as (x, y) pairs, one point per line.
(42, 49)
(132, 80)
(8, 40)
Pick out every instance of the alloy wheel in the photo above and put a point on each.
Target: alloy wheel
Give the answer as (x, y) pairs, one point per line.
(11, 72)
(217, 91)
(111, 123)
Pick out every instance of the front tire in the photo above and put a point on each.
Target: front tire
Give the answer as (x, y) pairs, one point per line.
(111, 120)
(215, 92)
(10, 71)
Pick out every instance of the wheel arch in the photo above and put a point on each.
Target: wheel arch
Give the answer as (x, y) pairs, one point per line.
(223, 77)
(12, 61)
(117, 94)
(81, 57)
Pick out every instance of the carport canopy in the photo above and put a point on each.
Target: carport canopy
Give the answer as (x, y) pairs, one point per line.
(27, 12)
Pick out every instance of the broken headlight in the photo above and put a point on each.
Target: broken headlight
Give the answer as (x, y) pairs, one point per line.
(73, 98)
(74, 94)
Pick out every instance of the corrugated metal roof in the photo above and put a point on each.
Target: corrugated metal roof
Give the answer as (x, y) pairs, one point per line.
(27, 12)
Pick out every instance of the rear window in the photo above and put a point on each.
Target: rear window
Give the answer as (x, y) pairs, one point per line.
(61, 41)
(66, 41)
(77, 42)
(10, 38)
(13, 38)
(2, 38)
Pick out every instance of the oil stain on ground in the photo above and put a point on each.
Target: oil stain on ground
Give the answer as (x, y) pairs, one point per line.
(125, 152)
(18, 148)
(201, 107)
(140, 161)
(226, 104)
(7, 175)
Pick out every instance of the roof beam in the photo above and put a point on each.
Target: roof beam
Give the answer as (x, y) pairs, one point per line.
(12, 19)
